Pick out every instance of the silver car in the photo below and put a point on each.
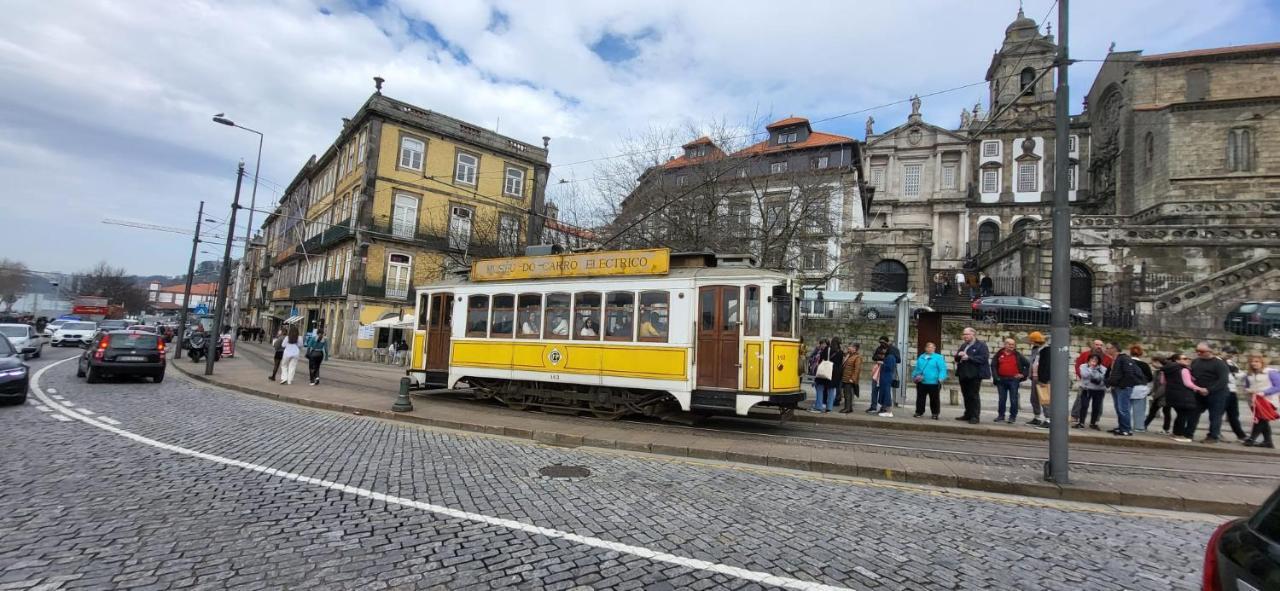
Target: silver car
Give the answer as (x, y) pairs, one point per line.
(24, 338)
(74, 333)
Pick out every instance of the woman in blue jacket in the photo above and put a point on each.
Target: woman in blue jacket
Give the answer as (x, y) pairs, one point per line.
(929, 373)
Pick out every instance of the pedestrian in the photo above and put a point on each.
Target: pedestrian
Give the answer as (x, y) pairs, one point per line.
(1212, 373)
(1122, 378)
(391, 351)
(929, 373)
(402, 350)
(1183, 395)
(1036, 338)
(986, 286)
(939, 283)
(277, 346)
(1159, 403)
(1008, 369)
(1093, 388)
(827, 377)
(316, 354)
(1233, 401)
(973, 285)
(1142, 391)
(972, 368)
(960, 283)
(850, 376)
(1043, 370)
(883, 381)
(1082, 360)
(289, 360)
(1263, 386)
(816, 356)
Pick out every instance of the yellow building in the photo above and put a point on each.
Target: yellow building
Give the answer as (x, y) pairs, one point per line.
(403, 194)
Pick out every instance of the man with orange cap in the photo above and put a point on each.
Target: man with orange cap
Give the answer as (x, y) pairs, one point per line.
(1037, 346)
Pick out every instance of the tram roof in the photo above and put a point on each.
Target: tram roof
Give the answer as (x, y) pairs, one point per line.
(728, 272)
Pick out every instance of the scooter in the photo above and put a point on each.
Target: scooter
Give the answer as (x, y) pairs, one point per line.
(198, 347)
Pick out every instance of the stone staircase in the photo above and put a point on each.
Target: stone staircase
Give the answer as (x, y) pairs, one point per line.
(1205, 303)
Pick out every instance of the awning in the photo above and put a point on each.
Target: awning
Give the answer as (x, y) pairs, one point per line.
(293, 319)
(405, 321)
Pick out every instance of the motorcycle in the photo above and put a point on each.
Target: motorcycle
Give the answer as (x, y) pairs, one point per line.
(198, 347)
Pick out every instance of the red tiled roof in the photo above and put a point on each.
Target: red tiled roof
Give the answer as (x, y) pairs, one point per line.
(1214, 51)
(787, 122)
(204, 289)
(815, 139)
(165, 306)
(571, 230)
(698, 142)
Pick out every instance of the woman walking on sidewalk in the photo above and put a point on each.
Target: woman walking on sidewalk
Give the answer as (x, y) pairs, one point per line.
(289, 359)
(1138, 398)
(277, 345)
(1093, 388)
(851, 375)
(316, 355)
(1182, 393)
(1263, 386)
(929, 373)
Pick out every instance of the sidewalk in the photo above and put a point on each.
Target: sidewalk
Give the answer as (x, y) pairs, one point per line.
(369, 390)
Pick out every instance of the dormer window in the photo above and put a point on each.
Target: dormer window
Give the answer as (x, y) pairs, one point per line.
(787, 138)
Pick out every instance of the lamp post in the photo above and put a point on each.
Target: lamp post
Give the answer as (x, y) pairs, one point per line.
(253, 203)
(216, 340)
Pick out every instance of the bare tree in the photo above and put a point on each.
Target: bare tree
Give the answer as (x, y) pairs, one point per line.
(13, 282)
(109, 282)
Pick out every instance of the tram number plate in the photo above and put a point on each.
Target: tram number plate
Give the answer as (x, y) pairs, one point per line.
(553, 376)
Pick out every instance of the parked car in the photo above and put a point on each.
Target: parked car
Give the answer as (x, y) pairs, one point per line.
(875, 310)
(123, 353)
(1245, 553)
(14, 373)
(1257, 318)
(144, 328)
(24, 337)
(74, 333)
(1021, 310)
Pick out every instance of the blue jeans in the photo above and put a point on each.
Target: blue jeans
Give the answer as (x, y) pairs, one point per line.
(1217, 407)
(1124, 406)
(1137, 412)
(884, 394)
(1007, 388)
(824, 396)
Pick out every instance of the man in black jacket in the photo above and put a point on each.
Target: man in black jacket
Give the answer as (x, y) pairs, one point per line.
(973, 361)
(1122, 377)
(1212, 374)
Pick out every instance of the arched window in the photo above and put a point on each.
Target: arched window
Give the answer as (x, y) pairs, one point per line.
(988, 235)
(1081, 287)
(1022, 224)
(889, 275)
(1026, 78)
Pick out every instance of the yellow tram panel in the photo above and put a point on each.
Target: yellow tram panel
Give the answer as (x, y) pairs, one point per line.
(753, 358)
(666, 363)
(784, 369)
(418, 358)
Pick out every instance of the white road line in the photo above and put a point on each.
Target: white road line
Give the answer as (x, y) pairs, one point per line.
(82, 410)
(40, 407)
(54, 392)
(760, 577)
(108, 420)
(61, 417)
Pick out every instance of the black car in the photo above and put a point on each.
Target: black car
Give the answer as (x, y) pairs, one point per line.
(1245, 553)
(1255, 319)
(14, 374)
(1021, 310)
(123, 353)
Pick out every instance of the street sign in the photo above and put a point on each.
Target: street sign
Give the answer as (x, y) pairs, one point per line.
(202, 309)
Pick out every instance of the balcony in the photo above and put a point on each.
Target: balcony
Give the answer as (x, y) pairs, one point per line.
(330, 288)
(332, 235)
(304, 290)
(379, 290)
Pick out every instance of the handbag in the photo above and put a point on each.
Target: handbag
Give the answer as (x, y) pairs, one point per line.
(314, 354)
(1042, 390)
(1263, 410)
(824, 370)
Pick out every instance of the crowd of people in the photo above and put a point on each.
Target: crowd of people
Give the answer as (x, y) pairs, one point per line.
(1178, 388)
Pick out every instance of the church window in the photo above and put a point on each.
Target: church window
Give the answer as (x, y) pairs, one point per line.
(990, 181)
(877, 176)
(990, 149)
(949, 177)
(1026, 78)
(1026, 177)
(1071, 143)
(1072, 171)
(911, 179)
(1240, 150)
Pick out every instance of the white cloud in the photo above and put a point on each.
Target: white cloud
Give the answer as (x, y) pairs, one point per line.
(107, 104)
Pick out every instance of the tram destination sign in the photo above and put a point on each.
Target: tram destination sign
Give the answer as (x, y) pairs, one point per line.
(655, 261)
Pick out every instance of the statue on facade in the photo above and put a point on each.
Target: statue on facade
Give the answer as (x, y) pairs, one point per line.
(871, 121)
(915, 104)
(977, 111)
(964, 119)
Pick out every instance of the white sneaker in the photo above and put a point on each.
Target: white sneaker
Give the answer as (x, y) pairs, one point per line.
(1182, 440)
(887, 415)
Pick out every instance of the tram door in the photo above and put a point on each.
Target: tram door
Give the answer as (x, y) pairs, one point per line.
(439, 320)
(719, 318)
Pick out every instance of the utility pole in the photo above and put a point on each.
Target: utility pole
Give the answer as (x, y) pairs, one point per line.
(226, 276)
(186, 292)
(1060, 284)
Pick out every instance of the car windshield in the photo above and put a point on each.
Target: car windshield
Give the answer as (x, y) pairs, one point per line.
(79, 326)
(14, 331)
(139, 340)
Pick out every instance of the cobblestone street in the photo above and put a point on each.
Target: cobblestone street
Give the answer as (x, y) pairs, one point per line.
(176, 485)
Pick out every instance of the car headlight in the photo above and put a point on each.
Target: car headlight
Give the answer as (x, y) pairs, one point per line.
(13, 373)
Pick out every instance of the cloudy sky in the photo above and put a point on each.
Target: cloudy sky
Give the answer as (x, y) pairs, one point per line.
(106, 106)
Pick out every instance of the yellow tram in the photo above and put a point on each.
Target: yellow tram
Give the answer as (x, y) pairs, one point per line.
(613, 333)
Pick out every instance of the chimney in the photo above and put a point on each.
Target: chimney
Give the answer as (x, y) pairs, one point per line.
(346, 122)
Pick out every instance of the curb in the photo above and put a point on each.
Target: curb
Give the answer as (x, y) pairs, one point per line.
(937, 478)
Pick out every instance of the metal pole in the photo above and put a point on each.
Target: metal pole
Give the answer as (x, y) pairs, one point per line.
(1060, 285)
(226, 276)
(243, 283)
(186, 292)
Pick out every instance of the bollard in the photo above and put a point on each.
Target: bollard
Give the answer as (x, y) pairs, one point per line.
(955, 396)
(403, 404)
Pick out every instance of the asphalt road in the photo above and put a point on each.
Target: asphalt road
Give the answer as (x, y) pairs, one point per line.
(177, 485)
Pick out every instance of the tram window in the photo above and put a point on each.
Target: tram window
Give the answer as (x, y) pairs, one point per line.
(423, 298)
(752, 328)
(586, 316)
(620, 313)
(557, 316)
(707, 310)
(530, 315)
(477, 315)
(443, 311)
(655, 316)
(782, 312)
(503, 315)
(730, 312)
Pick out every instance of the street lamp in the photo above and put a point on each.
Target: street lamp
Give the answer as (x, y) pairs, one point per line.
(253, 198)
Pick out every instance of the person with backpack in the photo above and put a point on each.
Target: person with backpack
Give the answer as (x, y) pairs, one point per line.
(1008, 369)
(827, 377)
(1123, 376)
(1093, 388)
(1183, 394)
(1263, 386)
(1138, 398)
(317, 351)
